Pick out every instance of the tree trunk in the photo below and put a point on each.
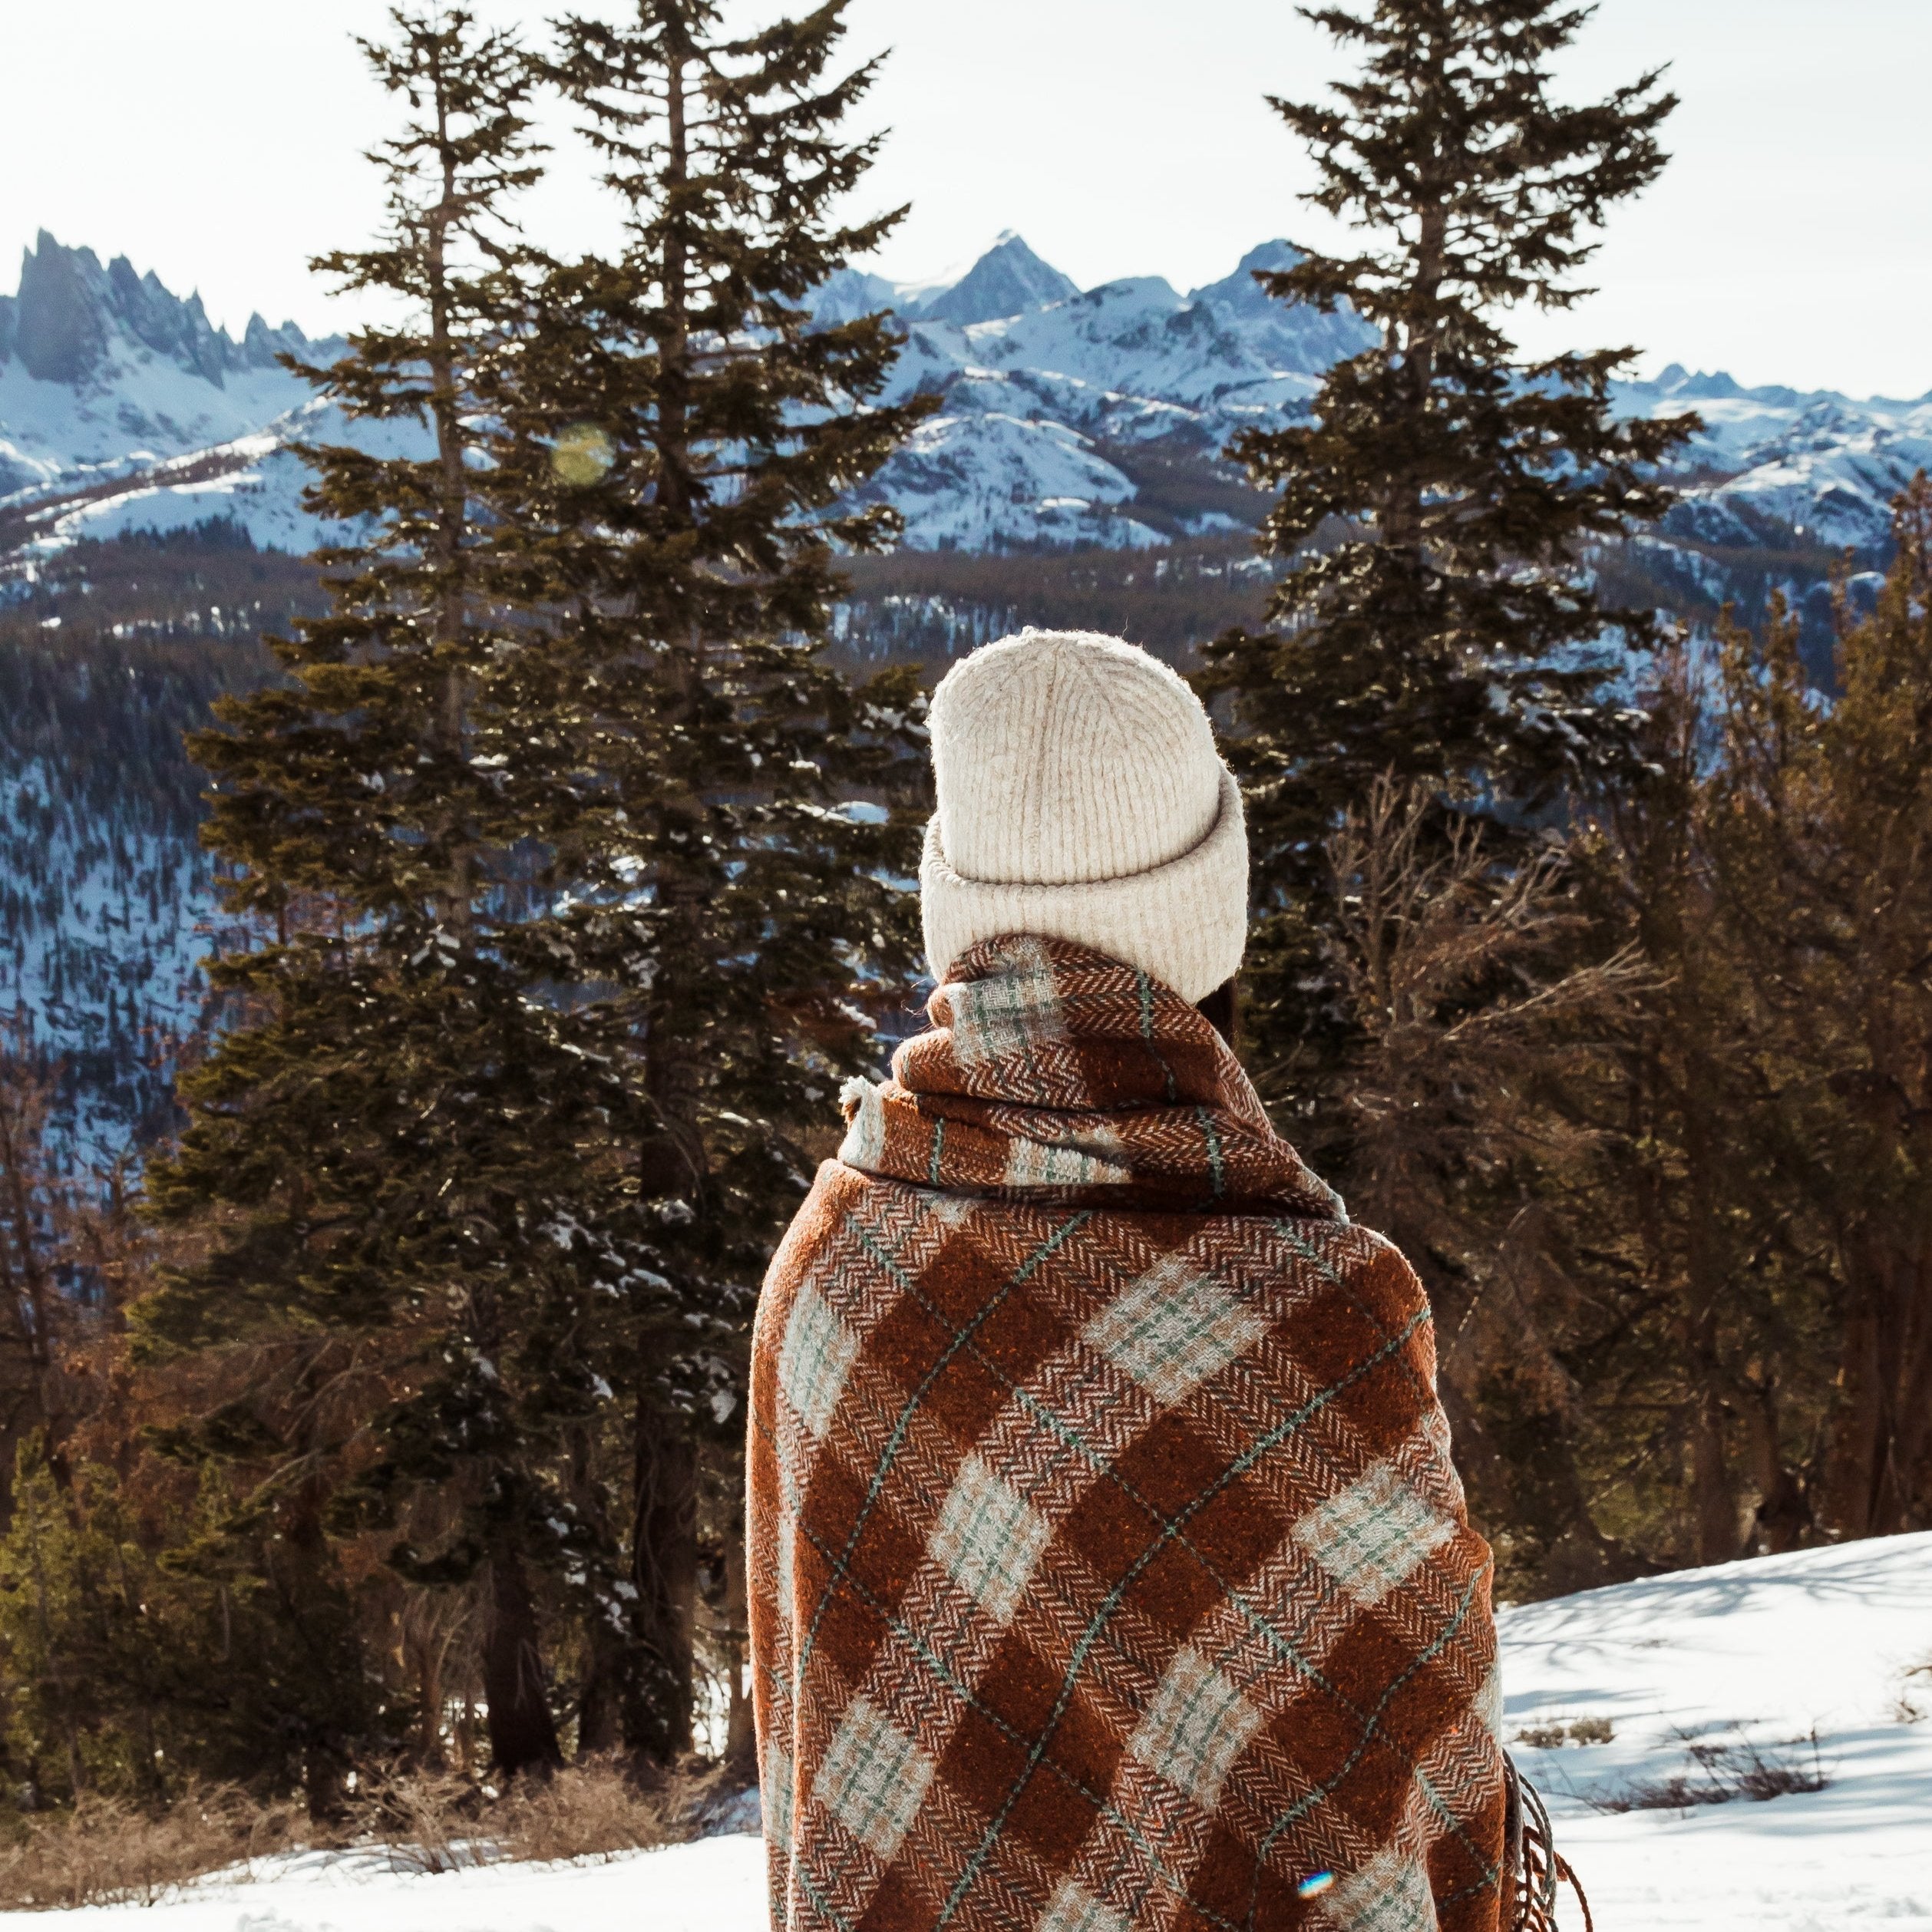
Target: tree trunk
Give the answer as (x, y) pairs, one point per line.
(523, 1733)
(1783, 1520)
(741, 1739)
(664, 1546)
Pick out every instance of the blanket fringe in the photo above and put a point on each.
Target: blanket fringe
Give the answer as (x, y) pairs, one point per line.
(1534, 1870)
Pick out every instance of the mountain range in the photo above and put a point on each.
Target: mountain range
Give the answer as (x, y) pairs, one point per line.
(1081, 429)
(1067, 417)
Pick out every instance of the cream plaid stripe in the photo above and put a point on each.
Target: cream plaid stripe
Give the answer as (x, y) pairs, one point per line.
(775, 1791)
(1373, 1535)
(1015, 1013)
(817, 1356)
(1198, 1724)
(1033, 1164)
(873, 1779)
(1072, 1908)
(1390, 1894)
(988, 1539)
(1173, 1329)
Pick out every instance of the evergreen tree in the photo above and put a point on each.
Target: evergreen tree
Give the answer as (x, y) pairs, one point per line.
(1438, 500)
(736, 816)
(408, 1158)
(146, 1644)
(1819, 825)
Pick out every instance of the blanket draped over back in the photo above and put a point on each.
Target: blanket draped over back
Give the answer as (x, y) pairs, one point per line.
(1108, 1569)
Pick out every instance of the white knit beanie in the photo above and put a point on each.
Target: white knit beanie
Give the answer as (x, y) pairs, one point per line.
(1080, 798)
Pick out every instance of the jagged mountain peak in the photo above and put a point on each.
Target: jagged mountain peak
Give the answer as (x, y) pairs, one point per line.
(1008, 279)
(72, 321)
(1239, 292)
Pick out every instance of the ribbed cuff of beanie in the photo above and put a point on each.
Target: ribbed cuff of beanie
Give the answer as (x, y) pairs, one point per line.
(1185, 923)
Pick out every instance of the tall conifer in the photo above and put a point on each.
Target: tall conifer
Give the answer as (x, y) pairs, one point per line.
(1436, 501)
(408, 1155)
(677, 434)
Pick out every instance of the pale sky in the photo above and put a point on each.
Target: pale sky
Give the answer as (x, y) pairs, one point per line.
(217, 142)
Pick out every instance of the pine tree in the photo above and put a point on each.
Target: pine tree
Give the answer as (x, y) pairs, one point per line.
(1438, 500)
(1820, 827)
(408, 1158)
(677, 433)
(146, 1645)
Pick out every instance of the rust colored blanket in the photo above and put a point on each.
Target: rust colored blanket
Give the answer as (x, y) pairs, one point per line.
(1108, 1569)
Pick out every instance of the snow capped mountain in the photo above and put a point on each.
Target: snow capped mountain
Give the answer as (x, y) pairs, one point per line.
(1008, 279)
(103, 372)
(1818, 465)
(1040, 384)
(1049, 397)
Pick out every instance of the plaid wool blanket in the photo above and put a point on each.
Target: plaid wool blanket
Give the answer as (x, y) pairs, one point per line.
(1109, 1568)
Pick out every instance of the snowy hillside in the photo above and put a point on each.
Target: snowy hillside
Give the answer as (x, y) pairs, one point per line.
(1818, 464)
(1801, 1660)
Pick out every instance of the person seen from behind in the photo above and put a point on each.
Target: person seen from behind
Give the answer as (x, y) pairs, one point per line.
(1109, 1570)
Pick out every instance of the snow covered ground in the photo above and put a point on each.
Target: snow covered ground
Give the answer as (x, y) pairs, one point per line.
(1752, 1661)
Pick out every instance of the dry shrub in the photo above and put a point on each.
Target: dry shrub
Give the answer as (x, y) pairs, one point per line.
(106, 1851)
(1724, 1772)
(594, 1810)
(438, 1821)
(1582, 1730)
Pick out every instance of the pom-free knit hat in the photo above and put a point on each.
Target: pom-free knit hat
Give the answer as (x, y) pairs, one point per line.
(1080, 798)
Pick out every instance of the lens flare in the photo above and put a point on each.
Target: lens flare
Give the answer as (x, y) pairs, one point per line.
(1313, 1886)
(581, 455)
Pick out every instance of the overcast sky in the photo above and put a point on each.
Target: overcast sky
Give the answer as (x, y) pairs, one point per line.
(217, 141)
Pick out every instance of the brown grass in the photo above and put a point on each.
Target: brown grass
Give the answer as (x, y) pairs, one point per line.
(106, 1851)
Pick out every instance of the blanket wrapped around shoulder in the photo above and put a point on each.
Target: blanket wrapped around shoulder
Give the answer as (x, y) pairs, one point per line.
(1109, 1568)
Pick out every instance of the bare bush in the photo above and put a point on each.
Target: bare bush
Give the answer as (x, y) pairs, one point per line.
(1722, 1773)
(593, 1810)
(1583, 1730)
(1453, 967)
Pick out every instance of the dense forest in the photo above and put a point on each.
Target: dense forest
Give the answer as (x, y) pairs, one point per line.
(432, 964)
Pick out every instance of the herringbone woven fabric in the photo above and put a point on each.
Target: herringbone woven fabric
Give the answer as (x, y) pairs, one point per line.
(1109, 1568)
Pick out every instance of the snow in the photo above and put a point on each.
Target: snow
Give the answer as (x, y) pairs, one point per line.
(1038, 381)
(715, 1885)
(1008, 279)
(143, 376)
(1768, 1654)
(262, 490)
(1768, 1650)
(979, 479)
(1820, 462)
